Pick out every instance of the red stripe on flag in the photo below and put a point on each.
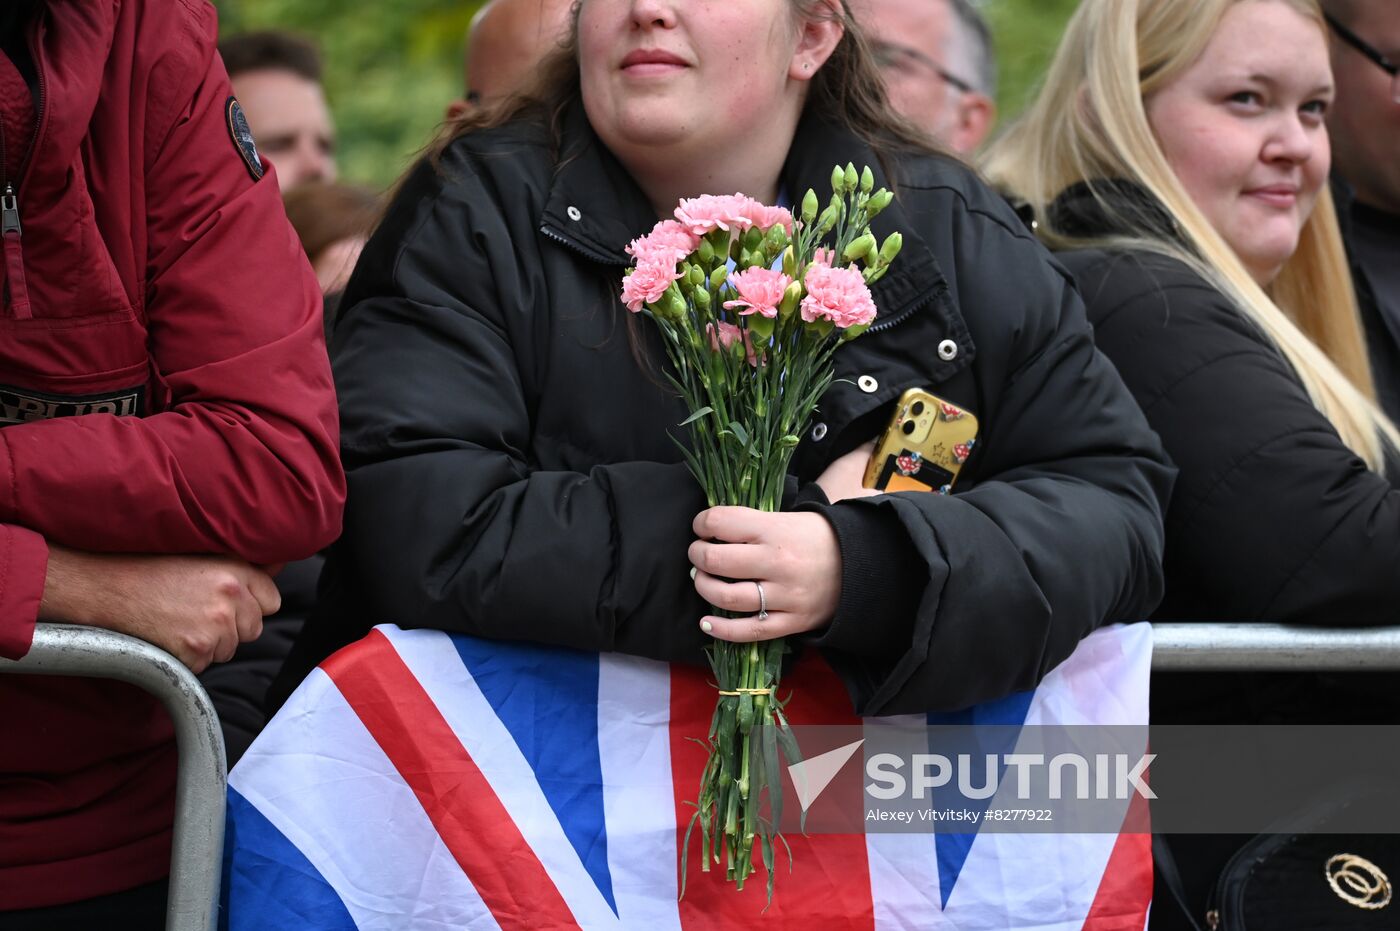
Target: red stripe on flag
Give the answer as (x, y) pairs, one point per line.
(829, 885)
(1125, 892)
(458, 799)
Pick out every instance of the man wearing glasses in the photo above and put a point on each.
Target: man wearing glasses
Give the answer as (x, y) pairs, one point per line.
(1365, 127)
(939, 65)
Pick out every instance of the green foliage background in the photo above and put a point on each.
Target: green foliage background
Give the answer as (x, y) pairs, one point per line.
(391, 67)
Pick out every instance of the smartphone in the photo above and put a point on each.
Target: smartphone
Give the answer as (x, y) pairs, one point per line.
(924, 447)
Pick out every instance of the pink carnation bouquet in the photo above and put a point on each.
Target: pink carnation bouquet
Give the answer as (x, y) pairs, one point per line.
(752, 304)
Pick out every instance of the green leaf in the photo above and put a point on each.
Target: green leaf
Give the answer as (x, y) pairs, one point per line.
(772, 773)
(696, 416)
(739, 432)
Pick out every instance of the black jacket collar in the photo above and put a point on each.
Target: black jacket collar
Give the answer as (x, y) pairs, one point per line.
(596, 208)
(1110, 207)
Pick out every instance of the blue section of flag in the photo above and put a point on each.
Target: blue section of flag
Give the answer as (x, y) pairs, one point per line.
(268, 882)
(548, 700)
(1010, 712)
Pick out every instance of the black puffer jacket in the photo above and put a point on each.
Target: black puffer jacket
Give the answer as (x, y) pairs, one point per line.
(1272, 517)
(512, 474)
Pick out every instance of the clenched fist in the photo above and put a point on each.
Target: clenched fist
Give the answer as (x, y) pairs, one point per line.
(197, 608)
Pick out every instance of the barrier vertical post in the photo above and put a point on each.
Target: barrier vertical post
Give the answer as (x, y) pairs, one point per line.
(201, 793)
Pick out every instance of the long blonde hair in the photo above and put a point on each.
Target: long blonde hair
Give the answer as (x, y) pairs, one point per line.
(1089, 122)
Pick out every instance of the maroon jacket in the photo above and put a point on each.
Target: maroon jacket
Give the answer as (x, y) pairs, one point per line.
(165, 389)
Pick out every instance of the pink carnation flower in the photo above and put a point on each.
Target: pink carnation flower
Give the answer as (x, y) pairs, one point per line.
(838, 295)
(648, 281)
(760, 291)
(710, 212)
(727, 335)
(668, 241)
(764, 217)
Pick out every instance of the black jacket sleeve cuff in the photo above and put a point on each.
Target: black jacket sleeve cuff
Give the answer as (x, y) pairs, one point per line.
(796, 494)
(882, 581)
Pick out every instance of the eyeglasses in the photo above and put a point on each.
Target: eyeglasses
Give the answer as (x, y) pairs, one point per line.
(888, 55)
(1368, 50)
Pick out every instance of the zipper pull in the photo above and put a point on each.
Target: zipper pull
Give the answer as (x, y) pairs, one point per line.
(9, 211)
(14, 253)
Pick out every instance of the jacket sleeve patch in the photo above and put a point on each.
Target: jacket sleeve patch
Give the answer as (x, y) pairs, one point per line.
(242, 137)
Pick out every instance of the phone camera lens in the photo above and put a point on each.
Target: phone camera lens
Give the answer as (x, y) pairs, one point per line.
(918, 408)
(908, 427)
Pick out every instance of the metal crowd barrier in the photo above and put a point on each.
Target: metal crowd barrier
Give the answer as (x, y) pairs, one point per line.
(200, 794)
(1273, 648)
(61, 649)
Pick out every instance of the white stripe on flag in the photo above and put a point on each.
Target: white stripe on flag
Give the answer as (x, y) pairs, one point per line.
(319, 777)
(634, 742)
(1005, 881)
(903, 867)
(438, 667)
(1010, 879)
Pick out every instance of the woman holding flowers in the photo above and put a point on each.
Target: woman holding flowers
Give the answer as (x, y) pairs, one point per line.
(508, 425)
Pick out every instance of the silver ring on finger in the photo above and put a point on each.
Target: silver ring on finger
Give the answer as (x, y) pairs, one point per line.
(762, 601)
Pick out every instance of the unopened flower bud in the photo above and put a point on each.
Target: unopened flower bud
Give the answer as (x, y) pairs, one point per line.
(860, 248)
(702, 299)
(752, 238)
(717, 277)
(695, 275)
(790, 262)
(707, 253)
(776, 239)
(878, 202)
(838, 180)
(792, 297)
(867, 180)
(809, 206)
(893, 243)
(852, 179)
(672, 304)
(827, 220)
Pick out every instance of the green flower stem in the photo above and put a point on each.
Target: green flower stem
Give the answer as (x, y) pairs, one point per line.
(745, 424)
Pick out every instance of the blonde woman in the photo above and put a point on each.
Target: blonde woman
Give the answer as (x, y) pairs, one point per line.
(1180, 147)
(1190, 169)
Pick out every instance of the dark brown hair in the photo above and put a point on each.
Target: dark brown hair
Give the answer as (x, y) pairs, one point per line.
(271, 50)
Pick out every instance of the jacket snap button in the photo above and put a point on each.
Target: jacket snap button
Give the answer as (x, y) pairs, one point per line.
(819, 432)
(947, 350)
(867, 384)
(574, 213)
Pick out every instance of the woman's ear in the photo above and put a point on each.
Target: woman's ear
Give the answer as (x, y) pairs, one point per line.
(817, 40)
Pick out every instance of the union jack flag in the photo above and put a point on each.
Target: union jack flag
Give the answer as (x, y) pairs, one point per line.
(420, 780)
